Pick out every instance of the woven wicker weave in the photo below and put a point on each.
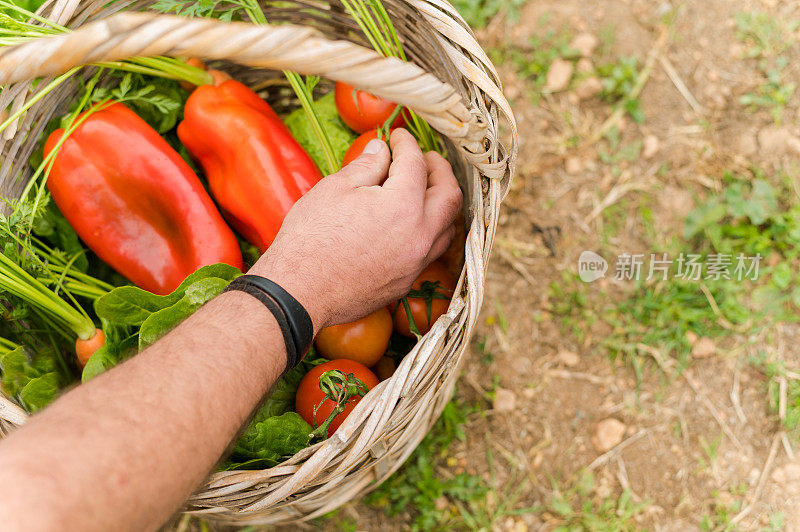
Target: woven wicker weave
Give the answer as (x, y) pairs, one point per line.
(449, 81)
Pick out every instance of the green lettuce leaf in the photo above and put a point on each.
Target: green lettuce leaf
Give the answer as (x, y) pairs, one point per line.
(273, 438)
(340, 135)
(129, 305)
(34, 380)
(40, 391)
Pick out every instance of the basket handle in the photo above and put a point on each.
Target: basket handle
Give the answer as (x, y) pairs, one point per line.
(279, 47)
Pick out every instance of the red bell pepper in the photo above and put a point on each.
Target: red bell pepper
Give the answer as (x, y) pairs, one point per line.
(255, 168)
(135, 202)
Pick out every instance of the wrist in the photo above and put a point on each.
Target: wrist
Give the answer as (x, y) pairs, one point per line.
(299, 286)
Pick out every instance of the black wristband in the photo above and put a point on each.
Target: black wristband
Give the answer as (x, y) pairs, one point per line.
(292, 318)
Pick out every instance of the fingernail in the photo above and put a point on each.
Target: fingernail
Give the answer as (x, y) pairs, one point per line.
(373, 147)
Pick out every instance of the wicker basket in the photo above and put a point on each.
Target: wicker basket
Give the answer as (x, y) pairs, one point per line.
(449, 82)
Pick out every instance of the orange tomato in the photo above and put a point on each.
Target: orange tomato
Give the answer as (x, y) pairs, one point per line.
(364, 341)
(435, 272)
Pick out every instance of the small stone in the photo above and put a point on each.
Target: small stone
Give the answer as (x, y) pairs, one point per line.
(736, 51)
(537, 460)
(504, 400)
(704, 348)
(512, 92)
(529, 393)
(584, 66)
(778, 475)
(584, 43)
(558, 75)
(568, 358)
(573, 165)
(651, 145)
(588, 88)
(520, 526)
(608, 434)
(717, 95)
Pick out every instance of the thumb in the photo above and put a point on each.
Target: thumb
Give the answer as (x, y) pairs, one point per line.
(369, 168)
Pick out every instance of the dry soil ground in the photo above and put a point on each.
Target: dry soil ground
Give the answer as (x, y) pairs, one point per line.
(617, 405)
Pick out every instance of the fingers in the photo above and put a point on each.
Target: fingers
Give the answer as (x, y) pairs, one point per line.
(441, 244)
(370, 167)
(408, 172)
(443, 197)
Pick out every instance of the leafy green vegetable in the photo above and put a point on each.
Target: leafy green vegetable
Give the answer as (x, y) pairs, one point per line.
(281, 399)
(340, 135)
(273, 438)
(40, 391)
(35, 380)
(158, 101)
(130, 305)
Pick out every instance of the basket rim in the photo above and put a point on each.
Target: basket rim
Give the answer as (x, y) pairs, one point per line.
(469, 119)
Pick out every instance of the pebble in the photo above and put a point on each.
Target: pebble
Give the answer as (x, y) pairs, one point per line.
(608, 434)
(529, 393)
(584, 66)
(512, 92)
(504, 400)
(651, 145)
(717, 95)
(558, 75)
(588, 88)
(568, 358)
(573, 165)
(704, 348)
(584, 43)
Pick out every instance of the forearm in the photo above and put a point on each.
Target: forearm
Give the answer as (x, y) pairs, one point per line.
(135, 441)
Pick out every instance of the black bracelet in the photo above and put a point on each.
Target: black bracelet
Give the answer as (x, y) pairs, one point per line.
(292, 318)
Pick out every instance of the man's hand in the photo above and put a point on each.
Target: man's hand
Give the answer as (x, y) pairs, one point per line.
(359, 238)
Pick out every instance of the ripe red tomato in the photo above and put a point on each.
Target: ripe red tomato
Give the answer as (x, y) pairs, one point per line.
(435, 272)
(358, 146)
(384, 368)
(361, 110)
(309, 394)
(364, 341)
